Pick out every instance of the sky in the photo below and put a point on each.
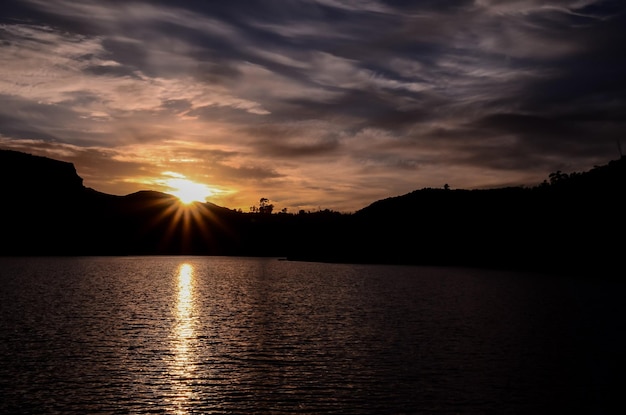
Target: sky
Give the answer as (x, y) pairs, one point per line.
(314, 104)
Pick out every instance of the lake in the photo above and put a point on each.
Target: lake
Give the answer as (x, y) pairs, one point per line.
(233, 335)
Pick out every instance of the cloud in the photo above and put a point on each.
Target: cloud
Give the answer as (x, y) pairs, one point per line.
(49, 67)
(529, 6)
(332, 102)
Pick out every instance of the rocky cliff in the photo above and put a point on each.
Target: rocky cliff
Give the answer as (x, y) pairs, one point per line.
(32, 176)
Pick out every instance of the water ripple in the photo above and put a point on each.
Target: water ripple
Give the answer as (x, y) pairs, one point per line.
(251, 335)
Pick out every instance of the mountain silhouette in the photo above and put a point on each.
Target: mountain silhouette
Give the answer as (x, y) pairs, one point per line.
(571, 223)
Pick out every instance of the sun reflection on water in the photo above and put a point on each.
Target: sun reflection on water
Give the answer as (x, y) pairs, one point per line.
(182, 370)
(185, 301)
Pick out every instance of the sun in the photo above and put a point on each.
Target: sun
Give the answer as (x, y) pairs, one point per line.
(188, 191)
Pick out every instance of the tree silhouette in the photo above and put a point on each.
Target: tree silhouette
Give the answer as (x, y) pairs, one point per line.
(557, 177)
(265, 206)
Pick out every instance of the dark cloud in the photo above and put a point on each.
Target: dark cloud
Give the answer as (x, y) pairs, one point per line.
(254, 173)
(16, 128)
(22, 118)
(106, 70)
(298, 150)
(526, 125)
(442, 6)
(221, 73)
(131, 53)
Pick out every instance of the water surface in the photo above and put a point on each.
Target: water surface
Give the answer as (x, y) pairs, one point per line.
(222, 335)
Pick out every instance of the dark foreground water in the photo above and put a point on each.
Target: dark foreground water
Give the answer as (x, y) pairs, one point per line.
(221, 335)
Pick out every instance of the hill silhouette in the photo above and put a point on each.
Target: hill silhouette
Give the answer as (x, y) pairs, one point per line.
(569, 223)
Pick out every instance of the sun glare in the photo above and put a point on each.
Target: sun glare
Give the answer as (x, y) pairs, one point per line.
(188, 191)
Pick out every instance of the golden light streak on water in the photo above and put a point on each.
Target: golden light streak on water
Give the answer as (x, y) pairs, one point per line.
(182, 370)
